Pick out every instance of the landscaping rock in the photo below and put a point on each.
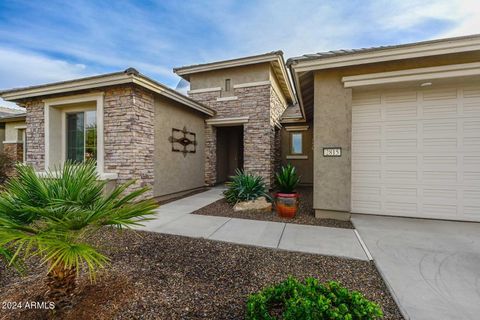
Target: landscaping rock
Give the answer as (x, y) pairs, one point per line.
(261, 204)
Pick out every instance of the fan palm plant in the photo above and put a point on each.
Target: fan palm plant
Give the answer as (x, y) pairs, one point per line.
(55, 217)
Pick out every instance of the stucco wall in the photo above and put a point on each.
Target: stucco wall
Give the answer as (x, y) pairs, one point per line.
(332, 125)
(237, 75)
(174, 172)
(11, 131)
(304, 166)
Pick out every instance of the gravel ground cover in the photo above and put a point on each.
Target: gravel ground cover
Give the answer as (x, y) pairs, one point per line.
(156, 276)
(305, 214)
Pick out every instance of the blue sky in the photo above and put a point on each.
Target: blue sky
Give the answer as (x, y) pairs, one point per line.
(46, 41)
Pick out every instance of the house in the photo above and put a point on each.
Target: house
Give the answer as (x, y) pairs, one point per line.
(391, 130)
(12, 133)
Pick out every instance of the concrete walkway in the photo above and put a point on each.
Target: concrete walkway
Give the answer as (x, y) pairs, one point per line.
(431, 266)
(175, 218)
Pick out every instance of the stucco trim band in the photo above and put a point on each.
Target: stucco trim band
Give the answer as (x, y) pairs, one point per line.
(205, 90)
(227, 98)
(296, 128)
(251, 84)
(296, 157)
(227, 121)
(418, 74)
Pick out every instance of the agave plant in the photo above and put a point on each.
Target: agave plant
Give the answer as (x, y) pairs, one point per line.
(287, 179)
(244, 187)
(56, 216)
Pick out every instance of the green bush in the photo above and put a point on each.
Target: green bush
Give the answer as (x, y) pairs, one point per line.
(291, 300)
(287, 179)
(244, 187)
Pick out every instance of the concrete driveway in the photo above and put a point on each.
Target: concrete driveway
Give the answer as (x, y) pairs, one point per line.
(433, 267)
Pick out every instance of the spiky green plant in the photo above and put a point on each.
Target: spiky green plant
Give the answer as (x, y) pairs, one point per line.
(56, 216)
(287, 179)
(244, 187)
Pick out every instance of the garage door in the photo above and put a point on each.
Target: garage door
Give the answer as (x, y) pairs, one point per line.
(417, 152)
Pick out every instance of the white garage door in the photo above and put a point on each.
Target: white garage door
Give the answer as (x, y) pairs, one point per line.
(417, 153)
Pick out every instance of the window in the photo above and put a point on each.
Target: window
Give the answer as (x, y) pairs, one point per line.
(23, 138)
(227, 84)
(81, 136)
(296, 146)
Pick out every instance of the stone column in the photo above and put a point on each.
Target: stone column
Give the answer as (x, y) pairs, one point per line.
(129, 130)
(210, 155)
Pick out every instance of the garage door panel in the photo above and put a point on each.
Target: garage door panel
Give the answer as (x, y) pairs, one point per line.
(442, 128)
(440, 94)
(471, 108)
(440, 144)
(472, 143)
(400, 176)
(367, 163)
(400, 207)
(471, 178)
(407, 130)
(430, 177)
(435, 210)
(366, 176)
(434, 110)
(401, 161)
(421, 156)
(401, 97)
(400, 145)
(403, 112)
(471, 200)
(368, 113)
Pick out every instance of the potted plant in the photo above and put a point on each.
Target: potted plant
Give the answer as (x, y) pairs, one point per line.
(287, 199)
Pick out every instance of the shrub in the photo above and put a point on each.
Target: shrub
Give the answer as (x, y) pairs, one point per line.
(56, 217)
(291, 299)
(287, 179)
(245, 187)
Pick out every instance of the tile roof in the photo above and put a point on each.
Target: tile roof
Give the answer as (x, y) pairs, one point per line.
(343, 52)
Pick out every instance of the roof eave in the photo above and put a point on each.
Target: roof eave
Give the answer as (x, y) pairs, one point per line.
(17, 95)
(445, 46)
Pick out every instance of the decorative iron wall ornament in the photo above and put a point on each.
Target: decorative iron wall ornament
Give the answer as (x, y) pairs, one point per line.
(183, 141)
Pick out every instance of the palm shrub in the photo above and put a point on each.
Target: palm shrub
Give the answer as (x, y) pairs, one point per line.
(244, 187)
(287, 179)
(292, 299)
(56, 216)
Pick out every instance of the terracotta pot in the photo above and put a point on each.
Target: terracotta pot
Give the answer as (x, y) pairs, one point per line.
(287, 204)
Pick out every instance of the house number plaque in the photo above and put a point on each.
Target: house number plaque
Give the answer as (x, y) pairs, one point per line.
(332, 152)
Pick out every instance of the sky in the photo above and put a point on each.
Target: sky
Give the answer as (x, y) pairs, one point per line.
(48, 41)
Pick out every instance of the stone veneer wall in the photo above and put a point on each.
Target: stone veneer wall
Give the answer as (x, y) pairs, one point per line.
(128, 134)
(260, 144)
(14, 150)
(35, 134)
(129, 130)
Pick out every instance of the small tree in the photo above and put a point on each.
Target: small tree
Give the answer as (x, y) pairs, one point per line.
(56, 216)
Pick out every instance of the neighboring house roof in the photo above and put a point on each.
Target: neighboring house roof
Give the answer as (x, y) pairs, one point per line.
(130, 75)
(13, 117)
(6, 111)
(275, 58)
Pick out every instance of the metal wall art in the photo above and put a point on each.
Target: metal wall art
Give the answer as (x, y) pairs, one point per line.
(183, 141)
